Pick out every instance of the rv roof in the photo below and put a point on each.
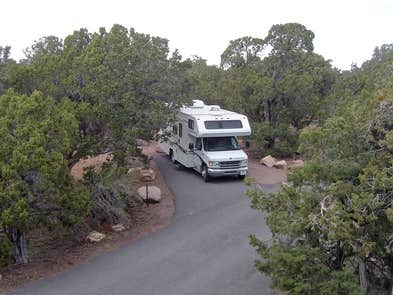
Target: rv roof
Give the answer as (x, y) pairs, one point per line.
(199, 108)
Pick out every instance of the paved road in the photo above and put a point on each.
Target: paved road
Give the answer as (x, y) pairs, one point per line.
(204, 251)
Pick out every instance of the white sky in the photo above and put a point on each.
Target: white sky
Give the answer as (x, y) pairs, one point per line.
(346, 31)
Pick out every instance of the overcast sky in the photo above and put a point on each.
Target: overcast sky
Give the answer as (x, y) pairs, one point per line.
(346, 31)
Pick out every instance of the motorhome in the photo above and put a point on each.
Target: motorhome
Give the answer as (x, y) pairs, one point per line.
(204, 137)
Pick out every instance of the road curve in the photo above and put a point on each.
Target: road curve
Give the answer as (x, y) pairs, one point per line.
(204, 251)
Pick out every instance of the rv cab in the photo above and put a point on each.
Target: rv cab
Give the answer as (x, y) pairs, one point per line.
(204, 138)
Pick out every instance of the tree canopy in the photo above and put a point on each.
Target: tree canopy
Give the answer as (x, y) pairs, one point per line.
(332, 223)
(35, 186)
(95, 92)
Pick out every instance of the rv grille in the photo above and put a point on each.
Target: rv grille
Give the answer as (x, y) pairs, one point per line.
(230, 164)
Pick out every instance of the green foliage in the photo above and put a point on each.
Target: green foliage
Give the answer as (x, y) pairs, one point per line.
(242, 52)
(280, 83)
(281, 141)
(126, 82)
(299, 260)
(332, 224)
(5, 65)
(290, 37)
(111, 194)
(5, 252)
(205, 82)
(35, 187)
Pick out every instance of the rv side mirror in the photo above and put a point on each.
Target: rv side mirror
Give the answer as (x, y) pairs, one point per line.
(191, 146)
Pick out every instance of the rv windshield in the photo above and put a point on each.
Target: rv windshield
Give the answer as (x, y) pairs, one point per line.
(216, 144)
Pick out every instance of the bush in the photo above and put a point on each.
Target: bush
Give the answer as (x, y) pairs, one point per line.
(111, 195)
(281, 141)
(5, 252)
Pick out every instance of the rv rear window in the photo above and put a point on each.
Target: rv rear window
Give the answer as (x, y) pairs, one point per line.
(227, 124)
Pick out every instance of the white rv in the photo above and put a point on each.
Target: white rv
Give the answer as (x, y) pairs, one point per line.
(204, 138)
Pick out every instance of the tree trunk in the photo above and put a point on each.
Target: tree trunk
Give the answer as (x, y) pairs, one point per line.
(18, 241)
(362, 276)
(269, 112)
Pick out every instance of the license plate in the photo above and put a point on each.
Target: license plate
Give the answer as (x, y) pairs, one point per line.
(243, 173)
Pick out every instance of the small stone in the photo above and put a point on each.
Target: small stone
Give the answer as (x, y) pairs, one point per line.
(141, 142)
(95, 237)
(281, 164)
(154, 193)
(118, 227)
(268, 161)
(133, 170)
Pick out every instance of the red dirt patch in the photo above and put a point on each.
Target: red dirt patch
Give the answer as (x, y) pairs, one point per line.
(265, 175)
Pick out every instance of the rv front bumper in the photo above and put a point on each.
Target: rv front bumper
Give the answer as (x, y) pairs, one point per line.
(217, 172)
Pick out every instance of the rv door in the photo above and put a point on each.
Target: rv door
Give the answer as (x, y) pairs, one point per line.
(197, 154)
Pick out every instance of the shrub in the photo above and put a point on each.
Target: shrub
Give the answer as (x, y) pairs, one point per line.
(5, 252)
(281, 141)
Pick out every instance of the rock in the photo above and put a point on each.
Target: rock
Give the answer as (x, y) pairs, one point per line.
(95, 236)
(281, 164)
(296, 163)
(141, 142)
(118, 228)
(153, 192)
(146, 175)
(133, 170)
(268, 161)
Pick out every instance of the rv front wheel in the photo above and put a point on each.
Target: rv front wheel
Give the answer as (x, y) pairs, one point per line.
(205, 173)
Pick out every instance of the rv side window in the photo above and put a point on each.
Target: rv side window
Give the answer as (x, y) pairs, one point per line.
(227, 124)
(180, 129)
(191, 124)
(198, 144)
(174, 129)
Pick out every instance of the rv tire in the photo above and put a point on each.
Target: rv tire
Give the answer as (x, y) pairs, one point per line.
(205, 173)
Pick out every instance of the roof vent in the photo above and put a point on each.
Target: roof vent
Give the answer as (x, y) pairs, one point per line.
(196, 103)
(214, 108)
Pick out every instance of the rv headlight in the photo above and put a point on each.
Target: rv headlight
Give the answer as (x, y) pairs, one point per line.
(214, 164)
(244, 162)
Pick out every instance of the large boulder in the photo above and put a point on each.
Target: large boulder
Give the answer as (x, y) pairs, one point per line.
(153, 193)
(95, 237)
(281, 164)
(268, 161)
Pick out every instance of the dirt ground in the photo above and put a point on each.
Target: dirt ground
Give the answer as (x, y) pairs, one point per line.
(265, 175)
(63, 254)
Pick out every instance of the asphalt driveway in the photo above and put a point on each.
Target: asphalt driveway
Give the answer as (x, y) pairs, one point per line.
(204, 251)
